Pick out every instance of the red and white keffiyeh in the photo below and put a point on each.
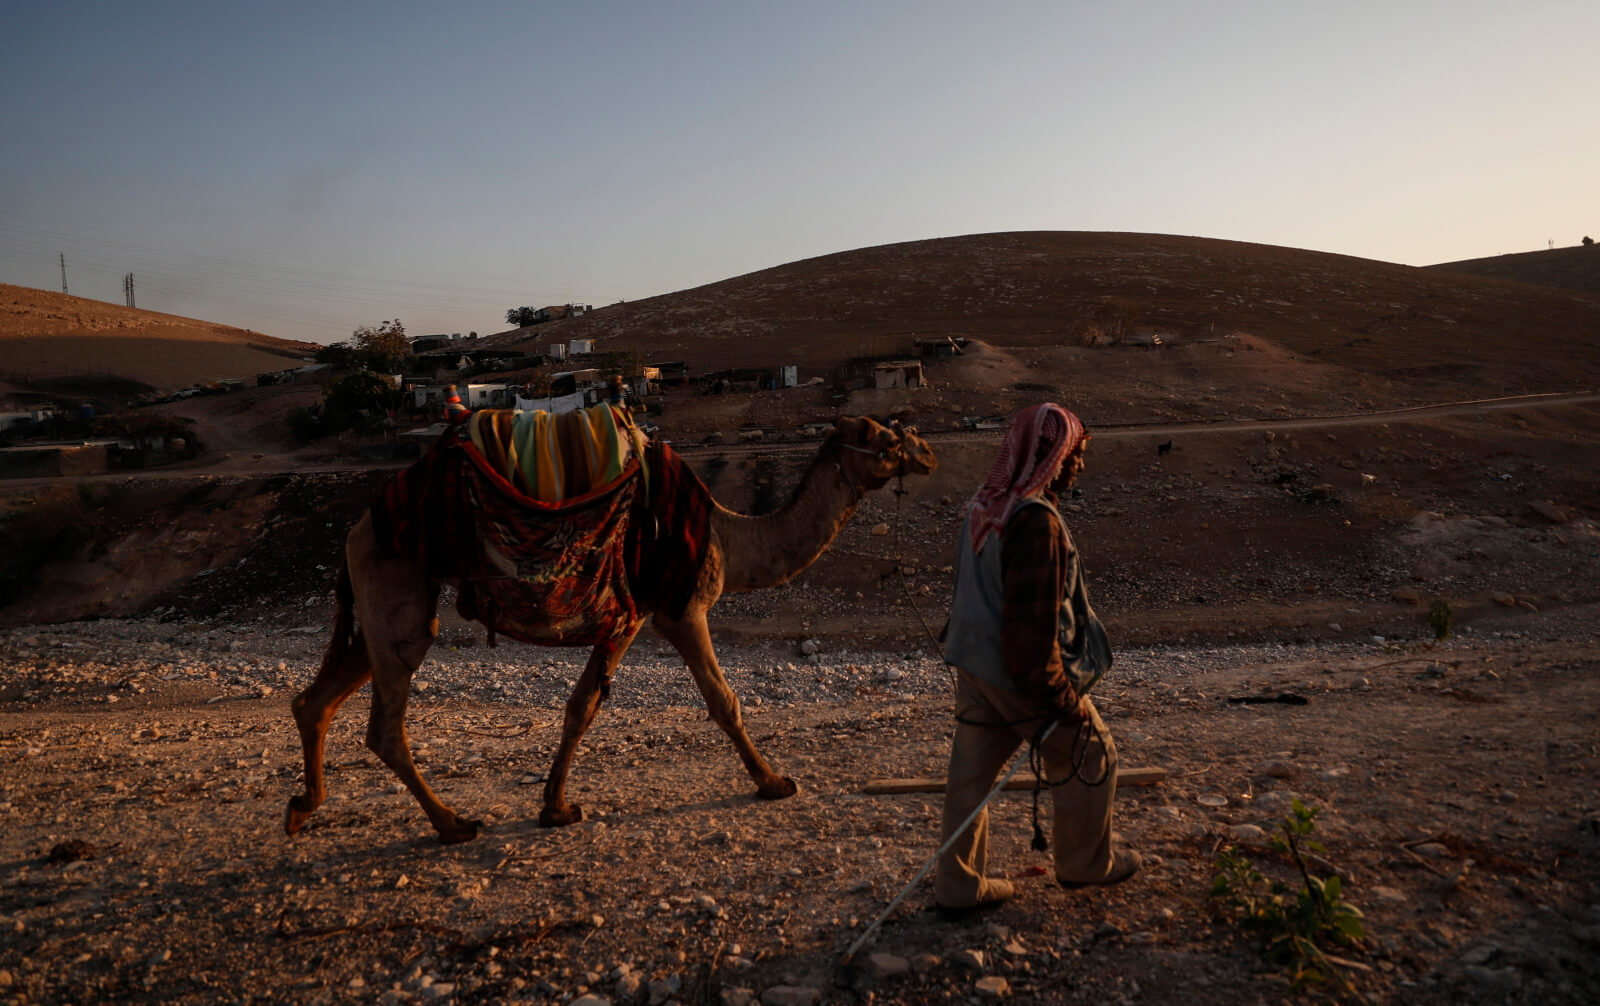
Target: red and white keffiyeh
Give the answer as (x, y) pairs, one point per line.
(1039, 439)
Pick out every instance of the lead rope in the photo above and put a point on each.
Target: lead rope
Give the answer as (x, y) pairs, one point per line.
(900, 490)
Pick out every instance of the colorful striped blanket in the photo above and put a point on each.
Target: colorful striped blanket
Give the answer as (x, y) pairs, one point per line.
(556, 456)
(557, 574)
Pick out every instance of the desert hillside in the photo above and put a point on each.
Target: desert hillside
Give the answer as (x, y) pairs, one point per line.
(1413, 327)
(52, 341)
(1576, 268)
(1268, 409)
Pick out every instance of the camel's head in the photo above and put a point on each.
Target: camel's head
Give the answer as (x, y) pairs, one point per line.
(870, 453)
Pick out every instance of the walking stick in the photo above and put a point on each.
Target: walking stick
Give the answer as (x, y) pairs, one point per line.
(1016, 764)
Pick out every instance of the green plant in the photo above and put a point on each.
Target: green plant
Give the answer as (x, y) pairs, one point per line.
(1439, 618)
(1295, 922)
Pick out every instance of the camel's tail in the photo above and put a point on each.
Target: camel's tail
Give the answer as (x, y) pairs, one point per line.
(345, 636)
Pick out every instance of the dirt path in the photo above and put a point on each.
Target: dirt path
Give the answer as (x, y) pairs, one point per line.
(1117, 432)
(1454, 787)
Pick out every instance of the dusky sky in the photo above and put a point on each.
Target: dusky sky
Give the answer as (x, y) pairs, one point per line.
(304, 168)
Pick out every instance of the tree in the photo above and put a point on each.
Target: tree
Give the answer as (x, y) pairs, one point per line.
(1587, 240)
(359, 395)
(387, 339)
(522, 317)
(339, 355)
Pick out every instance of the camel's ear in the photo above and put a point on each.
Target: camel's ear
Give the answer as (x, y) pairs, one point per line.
(849, 427)
(883, 437)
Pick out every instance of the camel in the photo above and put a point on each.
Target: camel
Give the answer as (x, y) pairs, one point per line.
(386, 619)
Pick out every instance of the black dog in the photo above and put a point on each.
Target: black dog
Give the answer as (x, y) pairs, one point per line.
(1163, 449)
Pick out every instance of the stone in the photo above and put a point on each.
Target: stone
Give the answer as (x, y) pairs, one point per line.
(663, 989)
(737, 996)
(590, 999)
(1482, 953)
(1249, 834)
(887, 966)
(1277, 803)
(438, 991)
(627, 987)
(1406, 595)
(996, 931)
(992, 987)
(878, 531)
(1549, 511)
(1393, 895)
(924, 963)
(972, 960)
(1503, 599)
(1500, 981)
(1280, 769)
(790, 995)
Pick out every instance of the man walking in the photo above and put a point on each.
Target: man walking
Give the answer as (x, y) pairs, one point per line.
(1027, 648)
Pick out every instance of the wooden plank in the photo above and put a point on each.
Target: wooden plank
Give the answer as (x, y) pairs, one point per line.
(1022, 780)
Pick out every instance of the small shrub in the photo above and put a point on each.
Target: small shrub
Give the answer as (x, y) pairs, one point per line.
(1295, 922)
(1439, 618)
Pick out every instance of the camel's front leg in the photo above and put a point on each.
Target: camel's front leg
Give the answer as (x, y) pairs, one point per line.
(582, 705)
(692, 638)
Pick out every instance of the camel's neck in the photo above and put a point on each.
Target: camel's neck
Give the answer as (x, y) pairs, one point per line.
(772, 549)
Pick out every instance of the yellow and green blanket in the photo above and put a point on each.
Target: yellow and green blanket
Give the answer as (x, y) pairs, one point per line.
(557, 456)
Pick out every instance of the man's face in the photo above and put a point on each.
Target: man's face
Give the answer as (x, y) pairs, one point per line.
(1071, 468)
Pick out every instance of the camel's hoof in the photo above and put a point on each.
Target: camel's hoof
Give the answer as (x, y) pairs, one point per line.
(553, 817)
(464, 831)
(780, 790)
(295, 818)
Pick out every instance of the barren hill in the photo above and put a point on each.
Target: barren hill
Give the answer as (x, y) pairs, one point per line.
(1576, 268)
(53, 341)
(1050, 289)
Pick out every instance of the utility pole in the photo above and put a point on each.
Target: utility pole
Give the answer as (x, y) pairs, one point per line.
(127, 288)
(63, 272)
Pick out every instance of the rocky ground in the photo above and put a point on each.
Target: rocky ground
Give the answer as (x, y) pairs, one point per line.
(142, 856)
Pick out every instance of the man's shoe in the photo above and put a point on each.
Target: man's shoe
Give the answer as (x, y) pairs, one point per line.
(999, 892)
(963, 913)
(1123, 865)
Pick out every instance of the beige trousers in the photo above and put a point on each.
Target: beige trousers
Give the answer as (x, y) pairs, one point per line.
(1080, 824)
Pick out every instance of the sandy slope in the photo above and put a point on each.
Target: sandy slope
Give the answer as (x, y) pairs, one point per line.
(53, 340)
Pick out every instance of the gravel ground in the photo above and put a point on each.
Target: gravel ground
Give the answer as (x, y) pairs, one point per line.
(42, 663)
(142, 856)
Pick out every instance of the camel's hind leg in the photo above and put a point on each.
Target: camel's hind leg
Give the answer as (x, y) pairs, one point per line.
(582, 705)
(345, 668)
(692, 638)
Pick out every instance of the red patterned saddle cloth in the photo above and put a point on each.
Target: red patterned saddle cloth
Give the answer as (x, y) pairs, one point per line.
(577, 572)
